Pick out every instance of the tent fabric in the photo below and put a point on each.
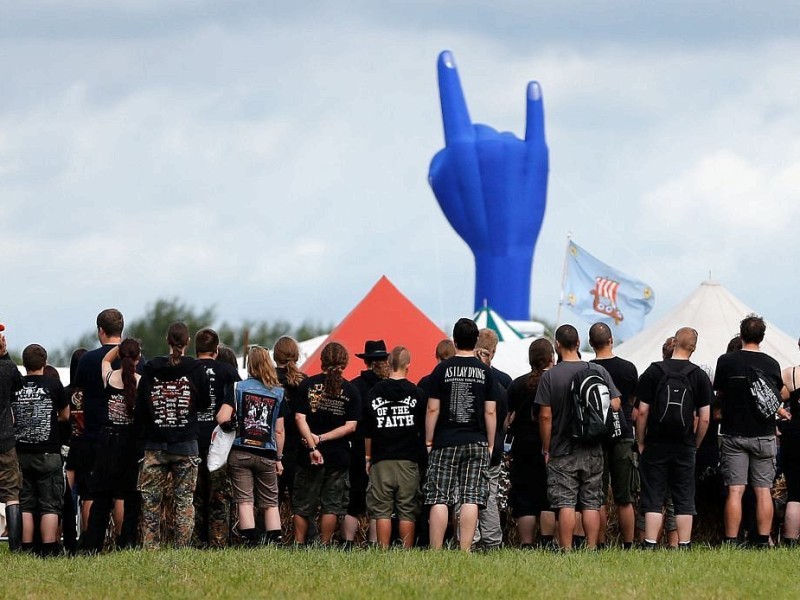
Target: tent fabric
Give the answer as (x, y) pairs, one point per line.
(384, 313)
(486, 317)
(715, 313)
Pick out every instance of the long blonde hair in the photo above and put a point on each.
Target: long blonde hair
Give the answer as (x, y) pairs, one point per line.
(259, 365)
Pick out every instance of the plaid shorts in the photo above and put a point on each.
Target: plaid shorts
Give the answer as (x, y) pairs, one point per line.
(458, 475)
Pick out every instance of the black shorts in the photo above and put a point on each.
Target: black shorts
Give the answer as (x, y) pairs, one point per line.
(790, 463)
(528, 474)
(359, 479)
(116, 466)
(668, 467)
(81, 460)
(42, 483)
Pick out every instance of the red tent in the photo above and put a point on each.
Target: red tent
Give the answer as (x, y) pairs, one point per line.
(384, 314)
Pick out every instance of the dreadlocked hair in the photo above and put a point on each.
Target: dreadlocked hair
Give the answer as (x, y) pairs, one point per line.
(177, 339)
(540, 356)
(129, 352)
(286, 353)
(259, 365)
(334, 360)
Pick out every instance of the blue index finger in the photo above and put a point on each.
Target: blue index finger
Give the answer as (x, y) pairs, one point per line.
(455, 116)
(534, 119)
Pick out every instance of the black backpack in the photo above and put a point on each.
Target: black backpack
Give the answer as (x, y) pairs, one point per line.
(591, 403)
(672, 412)
(767, 399)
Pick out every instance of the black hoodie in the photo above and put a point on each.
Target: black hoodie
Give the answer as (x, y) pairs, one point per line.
(167, 403)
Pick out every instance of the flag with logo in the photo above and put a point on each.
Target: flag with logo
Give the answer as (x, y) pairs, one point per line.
(596, 292)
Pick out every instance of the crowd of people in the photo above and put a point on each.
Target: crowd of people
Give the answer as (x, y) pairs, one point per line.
(120, 458)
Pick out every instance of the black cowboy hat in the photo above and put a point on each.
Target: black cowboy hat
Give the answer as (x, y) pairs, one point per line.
(374, 350)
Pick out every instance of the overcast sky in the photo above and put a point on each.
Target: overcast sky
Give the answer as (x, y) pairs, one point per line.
(272, 158)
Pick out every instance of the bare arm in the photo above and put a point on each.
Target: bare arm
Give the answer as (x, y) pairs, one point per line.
(431, 417)
(490, 419)
(225, 414)
(105, 366)
(305, 433)
(546, 429)
(368, 452)
(641, 424)
(703, 417)
(63, 414)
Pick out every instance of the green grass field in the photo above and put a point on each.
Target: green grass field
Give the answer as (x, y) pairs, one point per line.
(323, 574)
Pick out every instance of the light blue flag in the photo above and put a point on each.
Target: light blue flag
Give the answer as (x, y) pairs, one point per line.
(597, 292)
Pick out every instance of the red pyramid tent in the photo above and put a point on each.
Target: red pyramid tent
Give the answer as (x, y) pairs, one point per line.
(384, 314)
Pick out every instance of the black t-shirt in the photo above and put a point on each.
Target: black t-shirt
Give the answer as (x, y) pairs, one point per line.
(500, 396)
(525, 426)
(220, 376)
(364, 383)
(501, 377)
(647, 391)
(89, 378)
(739, 413)
(324, 414)
(462, 384)
(394, 418)
(291, 398)
(36, 405)
(10, 382)
(167, 403)
(625, 377)
(554, 391)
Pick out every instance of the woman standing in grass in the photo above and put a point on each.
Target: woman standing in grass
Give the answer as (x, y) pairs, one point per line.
(171, 391)
(790, 453)
(254, 463)
(528, 495)
(113, 478)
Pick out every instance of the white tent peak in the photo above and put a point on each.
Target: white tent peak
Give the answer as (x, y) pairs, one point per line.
(715, 313)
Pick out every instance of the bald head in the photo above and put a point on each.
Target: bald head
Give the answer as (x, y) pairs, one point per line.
(686, 340)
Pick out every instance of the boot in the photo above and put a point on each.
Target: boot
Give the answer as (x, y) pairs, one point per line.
(274, 537)
(14, 524)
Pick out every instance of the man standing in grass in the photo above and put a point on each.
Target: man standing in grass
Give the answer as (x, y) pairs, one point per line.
(574, 469)
(10, 475)
(748, 445)
(671, 394)
(459, 434)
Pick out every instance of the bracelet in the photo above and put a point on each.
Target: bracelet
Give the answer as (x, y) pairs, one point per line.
(368, 458)
(429, 444)
(279, 457)
(319, 438)
(545, 452)
(314, 449)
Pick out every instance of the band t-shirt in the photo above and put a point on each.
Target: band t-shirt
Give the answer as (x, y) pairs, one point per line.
(324, 413)
(739, 413)
(36, 406)
(462, 384)
(554, 391)
(625, 377)
(647, 391)
(525, 426)
(220, 376)
(394, 419)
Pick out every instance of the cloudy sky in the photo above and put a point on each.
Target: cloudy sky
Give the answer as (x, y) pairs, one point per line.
(271, 158)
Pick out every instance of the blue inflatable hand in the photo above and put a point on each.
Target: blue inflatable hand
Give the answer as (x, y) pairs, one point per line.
(492, 188)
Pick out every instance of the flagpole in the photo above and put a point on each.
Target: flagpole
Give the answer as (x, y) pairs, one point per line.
(563, 280)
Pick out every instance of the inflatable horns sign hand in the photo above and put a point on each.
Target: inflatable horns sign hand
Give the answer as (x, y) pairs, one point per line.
(492, 187)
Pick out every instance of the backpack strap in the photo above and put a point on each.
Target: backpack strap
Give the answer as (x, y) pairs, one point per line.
(688, 369)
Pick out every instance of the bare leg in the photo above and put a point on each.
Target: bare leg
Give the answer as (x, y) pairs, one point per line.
(27, 528)
(627, 520)
(591, 526)
(327, 527)
(566, 527)
(652, 525)
(272, 518)
(407, 529)
(300, 529)
(384, 527)
(118, 515)
(525, 527)
(684, 523)
(764, 510)
(247, 518)
(49, 528)
(468, 521)
(601, 535)
(437, 525)
(791, 523)
(349, 528)
(733, 510)
(547, 522)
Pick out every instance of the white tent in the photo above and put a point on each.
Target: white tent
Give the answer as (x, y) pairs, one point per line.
(715, 313)
(487, 317)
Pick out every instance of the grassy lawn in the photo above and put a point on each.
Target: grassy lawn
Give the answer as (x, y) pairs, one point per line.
(323, 574)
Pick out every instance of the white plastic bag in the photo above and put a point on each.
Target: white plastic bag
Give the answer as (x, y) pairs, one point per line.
(221, 443)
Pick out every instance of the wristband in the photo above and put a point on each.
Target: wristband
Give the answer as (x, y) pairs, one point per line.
(314, 449)
(429, 444)
(368, 458)
(279, 457)
(319, 438)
